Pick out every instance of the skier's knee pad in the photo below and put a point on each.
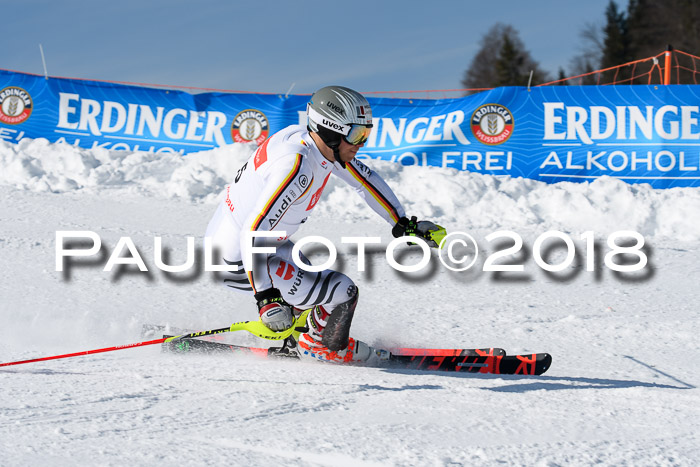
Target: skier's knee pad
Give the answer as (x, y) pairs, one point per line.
(337, 331)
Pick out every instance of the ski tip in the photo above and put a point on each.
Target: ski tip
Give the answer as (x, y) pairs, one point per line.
(542, 363)
(547, 361)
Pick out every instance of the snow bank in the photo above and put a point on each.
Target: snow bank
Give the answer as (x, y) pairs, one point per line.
(459, 199)
(38, 165)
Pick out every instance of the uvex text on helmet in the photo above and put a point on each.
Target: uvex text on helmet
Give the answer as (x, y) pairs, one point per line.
(336, 108)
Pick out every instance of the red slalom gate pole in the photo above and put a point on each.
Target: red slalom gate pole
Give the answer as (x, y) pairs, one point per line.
(254, 327)
(243, 325)
(87, 352)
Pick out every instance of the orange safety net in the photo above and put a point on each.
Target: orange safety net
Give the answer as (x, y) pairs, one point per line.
(644, 71)
(670, 67)
(684, 69)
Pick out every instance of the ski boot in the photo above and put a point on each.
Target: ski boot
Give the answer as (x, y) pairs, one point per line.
(311, 343)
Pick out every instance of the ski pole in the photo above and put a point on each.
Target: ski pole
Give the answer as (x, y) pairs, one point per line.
(254, 327)
(117, 347)
(85, 352)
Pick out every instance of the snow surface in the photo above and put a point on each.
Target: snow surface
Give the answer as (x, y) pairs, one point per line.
(622, 389)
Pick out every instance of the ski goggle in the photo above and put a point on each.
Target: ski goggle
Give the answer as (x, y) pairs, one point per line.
(353, 133)
(358, 134)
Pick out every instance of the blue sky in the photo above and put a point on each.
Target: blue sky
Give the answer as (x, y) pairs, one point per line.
(270, 46)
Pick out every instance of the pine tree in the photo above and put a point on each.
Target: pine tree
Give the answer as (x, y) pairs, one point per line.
(502, 60)
(655, 25)
(616, 39)
(562, 78)
(616, 45)
(647, 32)
(509, 64)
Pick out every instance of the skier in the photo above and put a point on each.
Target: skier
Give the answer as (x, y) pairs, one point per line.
(275, 191)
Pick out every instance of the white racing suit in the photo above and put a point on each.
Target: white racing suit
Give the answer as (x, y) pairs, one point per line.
(276, 190)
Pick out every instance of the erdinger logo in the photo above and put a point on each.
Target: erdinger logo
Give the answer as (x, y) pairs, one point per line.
(16, 105)
(250, 125)
(492, 124)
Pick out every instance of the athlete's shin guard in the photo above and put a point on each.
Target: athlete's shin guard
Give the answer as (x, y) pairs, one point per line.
(336, 333)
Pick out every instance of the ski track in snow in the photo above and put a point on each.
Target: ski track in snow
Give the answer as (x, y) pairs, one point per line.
(622, 389)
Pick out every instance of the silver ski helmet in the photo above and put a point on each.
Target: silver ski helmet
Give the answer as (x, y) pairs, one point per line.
(337, 112)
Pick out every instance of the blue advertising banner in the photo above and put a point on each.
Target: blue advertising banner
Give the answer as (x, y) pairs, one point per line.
(640, 134)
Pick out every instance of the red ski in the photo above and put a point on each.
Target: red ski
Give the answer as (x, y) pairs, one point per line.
(487, 360)
(474, 361)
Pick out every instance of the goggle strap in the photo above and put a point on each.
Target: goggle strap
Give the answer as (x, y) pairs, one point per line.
(328, 123)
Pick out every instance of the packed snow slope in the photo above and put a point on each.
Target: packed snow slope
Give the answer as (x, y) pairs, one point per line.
(622, 389)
